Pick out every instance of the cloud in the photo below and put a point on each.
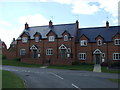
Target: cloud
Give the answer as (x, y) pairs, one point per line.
(7, 34)
(34, 20)
(5, 23)
(83, 7)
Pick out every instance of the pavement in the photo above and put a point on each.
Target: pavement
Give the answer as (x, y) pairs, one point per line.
(57, 78)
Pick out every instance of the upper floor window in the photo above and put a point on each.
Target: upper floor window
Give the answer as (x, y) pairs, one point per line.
(117, 41)
(116, 56)
(83, 42)
(24, 39)
(99, 42)
(65, 38)
(22, 52)
(49, 52)
(51, 38)
(36, 39)
(82, 56)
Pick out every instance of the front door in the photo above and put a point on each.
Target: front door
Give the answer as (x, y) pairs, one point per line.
(34, 53)
(63, 53)
(97, 59)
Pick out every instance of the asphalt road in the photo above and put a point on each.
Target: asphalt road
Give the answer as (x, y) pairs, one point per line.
(55, 78)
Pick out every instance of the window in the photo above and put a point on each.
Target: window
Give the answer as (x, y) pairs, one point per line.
(36, 39)
(49, 52)
(82, 56)
(24, 39)
(83, 42)
(22, 52)
(51, 38)
(116, 56)
(99, 42)
(65, 38)
(117, 42)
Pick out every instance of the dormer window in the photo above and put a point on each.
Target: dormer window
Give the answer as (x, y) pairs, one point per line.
(24, 40)
(36, 39)
(117, 41)
(83, 42)
(99, 42)
(51, 38)
(65, 38)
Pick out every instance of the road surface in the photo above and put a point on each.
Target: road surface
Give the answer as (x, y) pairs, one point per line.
(56, 78)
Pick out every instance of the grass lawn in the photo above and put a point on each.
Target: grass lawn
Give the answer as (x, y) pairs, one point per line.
(115, 80)
(104, 69)
(18, 63)
(73, 67)
(10, 80)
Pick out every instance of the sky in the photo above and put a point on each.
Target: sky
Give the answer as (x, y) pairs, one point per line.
(90, 13)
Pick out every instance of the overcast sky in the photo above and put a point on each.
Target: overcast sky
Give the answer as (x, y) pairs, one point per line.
(90, 13)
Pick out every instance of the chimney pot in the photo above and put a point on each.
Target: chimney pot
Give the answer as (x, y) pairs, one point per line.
(107, 24)
(50, 23)
(26, 26)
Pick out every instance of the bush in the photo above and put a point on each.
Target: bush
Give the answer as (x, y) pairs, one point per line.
(76, 63)
(3, 57)
(104, 64)
(17, 59)
(115, 64)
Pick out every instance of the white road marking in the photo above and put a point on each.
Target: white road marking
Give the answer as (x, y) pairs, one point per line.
(76, 86)
(57, 75)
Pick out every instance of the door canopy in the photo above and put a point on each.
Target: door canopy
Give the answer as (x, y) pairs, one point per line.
(62, 47)
(34, 47)
(97, 51)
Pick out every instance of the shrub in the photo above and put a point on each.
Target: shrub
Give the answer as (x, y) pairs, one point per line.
(76, 63)
(17, 59)
(3, 57)
(115, 64)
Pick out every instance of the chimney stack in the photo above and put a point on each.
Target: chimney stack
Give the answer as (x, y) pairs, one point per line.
(107, 24)
(77, 23)
(26, 26)
(50, 23)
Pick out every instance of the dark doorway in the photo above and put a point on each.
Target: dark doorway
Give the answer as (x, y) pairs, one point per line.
(97, 58)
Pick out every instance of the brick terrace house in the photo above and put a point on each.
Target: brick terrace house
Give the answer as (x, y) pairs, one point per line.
(3, 48)
(66, 43)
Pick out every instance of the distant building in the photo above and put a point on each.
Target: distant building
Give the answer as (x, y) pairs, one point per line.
(66, 43)
(3, 48)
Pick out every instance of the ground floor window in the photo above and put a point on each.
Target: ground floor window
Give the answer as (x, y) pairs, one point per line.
(49, 52)
(22, 52)
(82, 56)
(116, 56)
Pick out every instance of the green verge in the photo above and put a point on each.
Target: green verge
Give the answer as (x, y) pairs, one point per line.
(115, 80)
(73, 67)
(18, 63)
(10, 80)
(104, 69)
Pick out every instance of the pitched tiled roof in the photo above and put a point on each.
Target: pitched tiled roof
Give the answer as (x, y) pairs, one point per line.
(92, 33)
(58, 29)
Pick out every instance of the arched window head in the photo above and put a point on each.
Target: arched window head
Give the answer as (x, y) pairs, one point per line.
(99, 42)
(66, 38)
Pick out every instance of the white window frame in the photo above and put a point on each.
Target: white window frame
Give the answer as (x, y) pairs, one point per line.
(51, 38)
(49, 51)
(21, 52)
(99, 42)
(68, 50)
(66, 38)
(36, 39)
(82, 57)
(82, 42)
(24, 40)
(117, 40)
(115, 57)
